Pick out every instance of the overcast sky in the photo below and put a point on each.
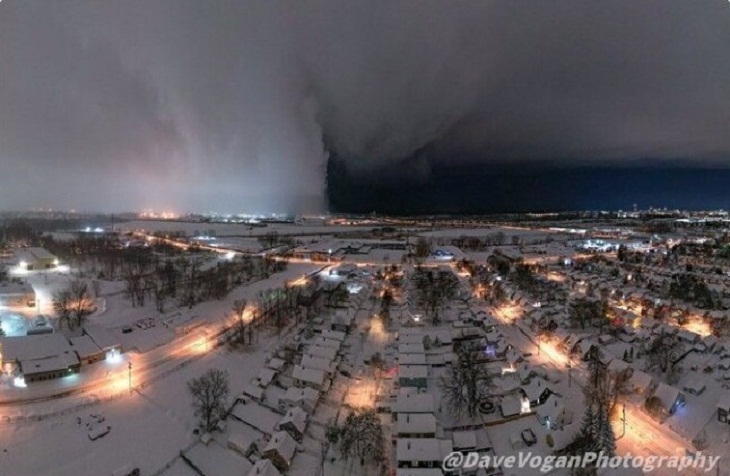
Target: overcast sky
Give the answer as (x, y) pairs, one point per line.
(237, 105)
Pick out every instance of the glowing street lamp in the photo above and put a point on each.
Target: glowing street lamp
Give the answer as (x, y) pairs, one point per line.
(130, 378)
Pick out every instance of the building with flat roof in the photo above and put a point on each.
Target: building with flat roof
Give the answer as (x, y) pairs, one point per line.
(16, 294)
(39, 357)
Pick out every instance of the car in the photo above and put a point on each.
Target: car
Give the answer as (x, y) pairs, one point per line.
(126, 329)
(98, 432)
(528, 436)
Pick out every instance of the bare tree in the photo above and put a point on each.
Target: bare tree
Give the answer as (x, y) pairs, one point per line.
(362, 437)
(62, 307)
(467, 383)
(663, 352)
(82, 304)
(240, 327)
(209, 393)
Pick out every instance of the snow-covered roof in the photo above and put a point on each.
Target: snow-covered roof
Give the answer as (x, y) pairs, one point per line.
(464, 440)
(409, 423)
(318, 363)
(309, 375)
(283, 444)
(32, 347)
(422, 449)
(412, 359)
(85, 346)
(253, 391)
(413, 371)
(320, 351)
(329, 343)
(336, 335)
(276, 364)
(413, 402)
(413, 348)
(667, 394)
(511, 405)
(264, 467)
(418, 472)
(10, 288)
(724, 402)
(265, 376)
(103, 338)
(257, 416)
(296, 417)
(640, 380)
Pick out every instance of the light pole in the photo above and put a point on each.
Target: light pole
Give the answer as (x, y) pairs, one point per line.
(623, 420)
(570, 375)
(130, 378)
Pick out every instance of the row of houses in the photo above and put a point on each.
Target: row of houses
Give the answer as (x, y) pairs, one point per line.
(269, 422)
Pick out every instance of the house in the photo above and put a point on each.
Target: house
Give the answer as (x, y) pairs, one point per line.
(254, 392)
(255, 415)
(342, 322)
(276, 364)
(323, 352)
(413, 348)
(471, 440)
(723, 409)
(244, 439)
(536, 391)
(688, 336)
(335, 335)
(410, 401)
(416, 425)
(280, 450)
(329, 343)
(318, 363)
(413, 376)
(553, 415)
(29, 259)
(313, 378)
(264, 467)
(303, 397)
(694, 386)
(640, 382)
(294, 423)
(412, 359)
(266, 376)
(512, 405)
(418, 472)
(422, 452)
(669, 397)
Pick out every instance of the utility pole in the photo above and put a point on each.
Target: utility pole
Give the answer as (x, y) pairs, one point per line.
(570, 375)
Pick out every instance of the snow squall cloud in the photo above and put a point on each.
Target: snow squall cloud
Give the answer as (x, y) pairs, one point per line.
(237, 105)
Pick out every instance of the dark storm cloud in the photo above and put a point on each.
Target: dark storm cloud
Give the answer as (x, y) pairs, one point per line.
(235, 105)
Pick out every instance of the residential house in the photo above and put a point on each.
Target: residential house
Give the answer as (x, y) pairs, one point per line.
(280, 450)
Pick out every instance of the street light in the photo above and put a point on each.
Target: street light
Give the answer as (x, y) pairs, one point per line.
(130, 378)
